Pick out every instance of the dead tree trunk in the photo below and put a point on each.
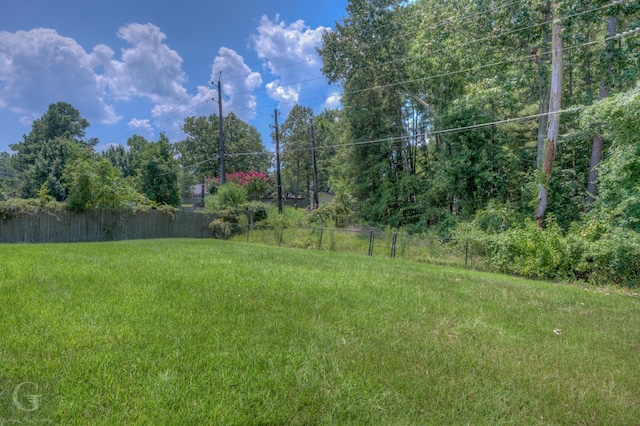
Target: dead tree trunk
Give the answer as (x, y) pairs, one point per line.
(555, 103)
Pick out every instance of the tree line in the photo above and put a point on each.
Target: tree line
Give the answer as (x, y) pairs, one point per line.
(426, 75)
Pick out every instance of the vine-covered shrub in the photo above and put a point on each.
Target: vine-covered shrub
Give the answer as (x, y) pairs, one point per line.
(334, 213)
(233, 210)
(604, 255)
(228, 196)
(592, 251)
(530, 251)
(16, 206)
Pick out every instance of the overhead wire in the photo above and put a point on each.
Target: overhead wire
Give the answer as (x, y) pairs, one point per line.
(457, 129)
(157, 120)
(424, 135)
(450, 73)
(166, 118)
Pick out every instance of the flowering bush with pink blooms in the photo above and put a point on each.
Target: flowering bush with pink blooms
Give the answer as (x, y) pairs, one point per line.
(257, 184)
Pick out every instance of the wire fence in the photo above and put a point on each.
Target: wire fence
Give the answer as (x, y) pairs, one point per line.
(371, 242)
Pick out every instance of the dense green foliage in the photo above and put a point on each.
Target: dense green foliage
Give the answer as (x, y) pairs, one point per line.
(445, 106)
(619, 119)
(234, 210)
(158, 178)
(98, 184)
(9, 177)
(410, 78)
(200, 151)
(55, 139)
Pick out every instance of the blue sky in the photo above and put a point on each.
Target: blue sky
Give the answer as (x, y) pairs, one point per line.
(143, 66)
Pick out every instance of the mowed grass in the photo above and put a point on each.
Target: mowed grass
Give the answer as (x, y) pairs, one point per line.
(214, 332)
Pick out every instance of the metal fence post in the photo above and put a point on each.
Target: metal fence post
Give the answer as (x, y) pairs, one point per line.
(466, 252)
(371, 239)
(320, 240)
(393, 245)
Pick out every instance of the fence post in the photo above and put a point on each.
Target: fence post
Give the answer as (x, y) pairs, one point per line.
(371, 239)
(320, 240)
(466, 252)
(393, 245)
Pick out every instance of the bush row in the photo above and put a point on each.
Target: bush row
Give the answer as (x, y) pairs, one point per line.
(591, 251)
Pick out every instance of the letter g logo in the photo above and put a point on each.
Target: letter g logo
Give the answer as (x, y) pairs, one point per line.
(24, 397)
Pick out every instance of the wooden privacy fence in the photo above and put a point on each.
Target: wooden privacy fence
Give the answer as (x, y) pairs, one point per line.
(103, 225)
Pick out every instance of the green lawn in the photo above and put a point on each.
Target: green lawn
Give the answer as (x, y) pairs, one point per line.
(214, 332)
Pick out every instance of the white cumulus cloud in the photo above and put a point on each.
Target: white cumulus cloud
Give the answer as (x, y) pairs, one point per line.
(290, 55)
(142, 125)
(148, 69)
(40, 67)
(334, 101)
(238, 83)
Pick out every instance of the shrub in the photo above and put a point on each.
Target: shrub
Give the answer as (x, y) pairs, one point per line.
(98, 184)
(227, 196)
(256, 211)
(222, 229)
(530, 251)
(256, 184)
(289, 217)
(334, 213)
(604, 255)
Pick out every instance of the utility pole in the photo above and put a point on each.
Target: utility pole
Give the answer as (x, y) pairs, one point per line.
(278, 177)
(315, 169)
(222, 173)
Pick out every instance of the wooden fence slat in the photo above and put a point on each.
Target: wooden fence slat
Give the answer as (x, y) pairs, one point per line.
(102, 225)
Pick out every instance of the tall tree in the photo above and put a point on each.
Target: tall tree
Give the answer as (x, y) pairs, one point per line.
(121, 159)
(199, 151)
(95, 183)
(597, 144)
(9, 178)
(295, 154)
(555, 103)
(619, 183)
(158, 170)
(54, 140)
(362, 55)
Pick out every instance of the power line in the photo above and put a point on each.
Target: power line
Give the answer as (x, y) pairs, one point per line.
(617, 36)
(447, 48)
(461, 71)
(163, 118)
(390, 138)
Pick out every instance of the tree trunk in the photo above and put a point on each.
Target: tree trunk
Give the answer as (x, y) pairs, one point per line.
(543, 89)
(543, 120)
(555, 103)
(598, 142)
